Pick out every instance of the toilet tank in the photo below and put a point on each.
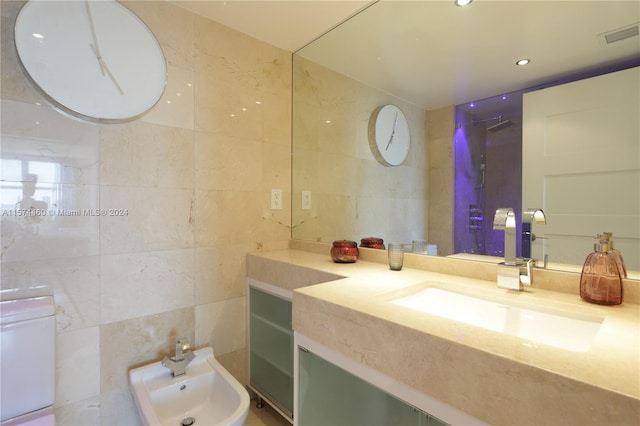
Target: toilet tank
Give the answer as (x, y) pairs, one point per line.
(27, 357)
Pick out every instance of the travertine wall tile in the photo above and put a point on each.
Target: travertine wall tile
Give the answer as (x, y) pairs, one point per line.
(145, 219)
(75, 283)
(138, 341)
(222, 325)
(440, 183)
(140, 154)
(77, 354)
(221, 272)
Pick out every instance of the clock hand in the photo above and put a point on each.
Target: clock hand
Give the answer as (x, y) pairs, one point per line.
(96, 51)
(94, 47)
(393, 132)
(104, 66)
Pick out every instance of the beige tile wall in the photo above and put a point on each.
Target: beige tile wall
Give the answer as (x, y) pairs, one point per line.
(441, 178)
(195, 177)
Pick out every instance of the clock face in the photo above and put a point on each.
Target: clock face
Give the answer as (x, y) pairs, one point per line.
(92, 59)
(389, 136)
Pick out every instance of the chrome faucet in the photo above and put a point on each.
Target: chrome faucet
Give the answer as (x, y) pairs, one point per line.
(183, 356)
(529, 217)
(511, 273)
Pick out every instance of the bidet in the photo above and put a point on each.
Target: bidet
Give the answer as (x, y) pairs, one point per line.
(206, 394)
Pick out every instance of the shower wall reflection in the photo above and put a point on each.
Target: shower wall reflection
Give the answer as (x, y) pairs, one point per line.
(488, 176)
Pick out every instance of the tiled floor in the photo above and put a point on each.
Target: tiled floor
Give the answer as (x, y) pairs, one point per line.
(265, 416)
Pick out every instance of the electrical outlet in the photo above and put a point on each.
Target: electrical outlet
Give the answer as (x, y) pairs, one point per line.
(306, 200)
(276, 199)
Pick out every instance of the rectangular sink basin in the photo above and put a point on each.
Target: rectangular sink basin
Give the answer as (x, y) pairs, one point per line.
(565, 330)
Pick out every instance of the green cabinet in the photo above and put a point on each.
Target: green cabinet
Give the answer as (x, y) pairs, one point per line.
(330, 395)
(271, 349)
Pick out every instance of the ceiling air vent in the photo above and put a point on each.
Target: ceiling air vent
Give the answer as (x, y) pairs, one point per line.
(620, 34)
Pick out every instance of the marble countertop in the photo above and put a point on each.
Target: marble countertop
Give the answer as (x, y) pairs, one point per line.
(492, 376)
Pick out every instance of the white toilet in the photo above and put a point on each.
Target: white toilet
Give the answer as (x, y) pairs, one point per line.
(27, 361)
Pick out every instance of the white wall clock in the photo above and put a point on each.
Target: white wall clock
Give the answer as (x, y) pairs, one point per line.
(95, 60)
(389, 136)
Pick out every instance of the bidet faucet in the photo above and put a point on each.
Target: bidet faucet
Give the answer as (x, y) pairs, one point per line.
(529, 217)
(183, 356)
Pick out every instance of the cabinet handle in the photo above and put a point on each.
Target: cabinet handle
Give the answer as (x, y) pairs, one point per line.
(303, 349)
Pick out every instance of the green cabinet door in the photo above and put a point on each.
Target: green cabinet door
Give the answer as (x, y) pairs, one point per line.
(271, 348)
(329, 395)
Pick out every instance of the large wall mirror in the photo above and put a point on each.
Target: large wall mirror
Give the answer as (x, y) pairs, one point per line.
(452, 73)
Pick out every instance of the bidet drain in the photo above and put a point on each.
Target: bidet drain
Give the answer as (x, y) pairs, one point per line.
(187, 421)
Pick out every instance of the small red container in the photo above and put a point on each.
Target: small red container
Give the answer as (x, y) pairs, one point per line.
(344, 251)
(372, 242)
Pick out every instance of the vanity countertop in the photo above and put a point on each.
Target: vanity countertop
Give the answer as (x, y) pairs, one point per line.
(490, 375)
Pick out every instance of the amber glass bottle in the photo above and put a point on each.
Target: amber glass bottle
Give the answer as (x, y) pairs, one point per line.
(601, 279)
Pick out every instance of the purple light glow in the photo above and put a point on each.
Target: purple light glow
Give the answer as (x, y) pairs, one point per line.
(487, 176)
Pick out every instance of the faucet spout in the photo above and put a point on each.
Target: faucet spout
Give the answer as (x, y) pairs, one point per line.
(529, 217)
(505, 219)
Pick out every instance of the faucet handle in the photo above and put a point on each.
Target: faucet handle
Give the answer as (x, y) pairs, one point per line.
(526, 279)
(511, 276)
(182, 345)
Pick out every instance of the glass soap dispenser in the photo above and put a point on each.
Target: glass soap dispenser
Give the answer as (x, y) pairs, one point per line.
(601, 279)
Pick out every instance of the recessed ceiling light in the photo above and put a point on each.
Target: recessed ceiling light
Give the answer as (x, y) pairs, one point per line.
(462, 2)
(523, 61)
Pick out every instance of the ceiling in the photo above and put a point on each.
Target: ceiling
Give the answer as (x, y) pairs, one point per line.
(287, 24)
(433, 53)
